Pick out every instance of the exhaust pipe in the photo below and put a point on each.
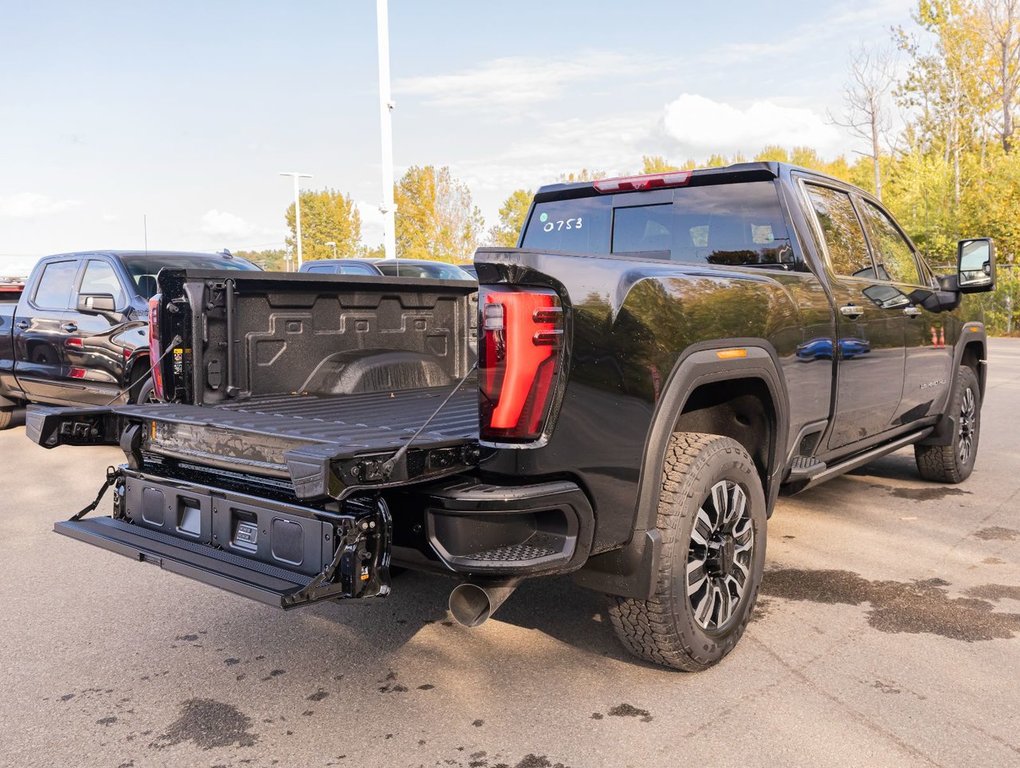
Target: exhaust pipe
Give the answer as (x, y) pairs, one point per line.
(472, 604)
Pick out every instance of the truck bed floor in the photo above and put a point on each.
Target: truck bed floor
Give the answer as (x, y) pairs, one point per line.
(352, 424)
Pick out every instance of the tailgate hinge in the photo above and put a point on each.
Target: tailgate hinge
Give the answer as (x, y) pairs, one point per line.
(361, 564)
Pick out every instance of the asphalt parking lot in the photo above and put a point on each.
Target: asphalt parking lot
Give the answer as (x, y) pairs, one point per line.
(887, 635)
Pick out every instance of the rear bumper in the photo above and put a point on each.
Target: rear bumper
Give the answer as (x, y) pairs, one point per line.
(483, 529)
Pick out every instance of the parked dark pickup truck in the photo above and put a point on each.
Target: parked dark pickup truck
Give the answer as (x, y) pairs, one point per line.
(79, 332)
(656, 361)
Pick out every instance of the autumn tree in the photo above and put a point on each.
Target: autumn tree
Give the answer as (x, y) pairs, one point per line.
(271, 260)
(866, 115)
(327, 216)
(511, 219)
(585, 174)
(656, 164)
(435, 218)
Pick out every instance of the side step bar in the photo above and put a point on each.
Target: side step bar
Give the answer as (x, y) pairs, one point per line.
(242, 576)
(861, 459)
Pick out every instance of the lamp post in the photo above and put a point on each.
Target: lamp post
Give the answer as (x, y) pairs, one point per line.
(332, 245)
(297, 207)
(386, 105)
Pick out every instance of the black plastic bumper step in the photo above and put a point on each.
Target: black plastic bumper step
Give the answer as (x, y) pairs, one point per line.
(804, 468)
(259, 581)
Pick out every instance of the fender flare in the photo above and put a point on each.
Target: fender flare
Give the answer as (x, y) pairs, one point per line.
(946, 426)
(631, 570)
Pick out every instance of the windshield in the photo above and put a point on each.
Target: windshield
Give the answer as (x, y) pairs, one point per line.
(424, 269)
(143, 269)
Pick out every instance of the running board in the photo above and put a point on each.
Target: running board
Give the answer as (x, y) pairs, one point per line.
(243, 576)
(861, 459)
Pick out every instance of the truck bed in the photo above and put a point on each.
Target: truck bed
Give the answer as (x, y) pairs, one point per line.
(308, 446)
(350, 424)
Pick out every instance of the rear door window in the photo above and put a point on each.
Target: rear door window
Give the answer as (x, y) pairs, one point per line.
(55, 285)
(844, 239)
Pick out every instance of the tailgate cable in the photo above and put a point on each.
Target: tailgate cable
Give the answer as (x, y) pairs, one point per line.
(112, 475)
(175, 341)
(387, 467)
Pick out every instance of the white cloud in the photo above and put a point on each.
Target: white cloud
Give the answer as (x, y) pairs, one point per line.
(702, 125)
(223, 224)
(31, 205)
(520, 81)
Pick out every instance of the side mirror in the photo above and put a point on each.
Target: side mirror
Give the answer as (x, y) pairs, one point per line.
(975, 265)
(96, 303)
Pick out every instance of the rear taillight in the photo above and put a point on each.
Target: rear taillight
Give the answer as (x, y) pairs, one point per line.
(518, 354)
(154, 350)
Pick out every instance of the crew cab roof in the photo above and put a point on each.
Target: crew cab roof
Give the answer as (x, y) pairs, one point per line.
(762, 171)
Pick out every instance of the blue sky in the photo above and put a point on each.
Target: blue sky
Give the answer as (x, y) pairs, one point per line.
(185, 112)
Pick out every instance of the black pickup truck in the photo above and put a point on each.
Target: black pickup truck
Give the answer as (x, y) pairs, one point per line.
(79, 332)
(656, 361)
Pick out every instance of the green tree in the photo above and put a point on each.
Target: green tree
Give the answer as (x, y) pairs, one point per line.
(511, 218)
(327, 216)
(436, 218)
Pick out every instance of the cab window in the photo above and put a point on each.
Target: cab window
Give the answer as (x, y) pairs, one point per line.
(894, 258)
(55, 285)
(99, 277)
(844, 239)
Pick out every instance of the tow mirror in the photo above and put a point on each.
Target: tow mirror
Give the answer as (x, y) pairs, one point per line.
(96, 303)
(975, 265)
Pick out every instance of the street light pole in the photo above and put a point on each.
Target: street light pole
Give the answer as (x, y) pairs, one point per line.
(297, 207)
(386, 105)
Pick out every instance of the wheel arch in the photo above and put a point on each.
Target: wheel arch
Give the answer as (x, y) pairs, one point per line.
(738, 367)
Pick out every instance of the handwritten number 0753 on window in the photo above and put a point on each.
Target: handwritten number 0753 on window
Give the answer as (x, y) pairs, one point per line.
(561, 224)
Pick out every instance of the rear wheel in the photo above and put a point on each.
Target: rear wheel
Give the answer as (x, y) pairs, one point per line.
(953, 463)
(6, 415)
(146, 393)
(712, 519)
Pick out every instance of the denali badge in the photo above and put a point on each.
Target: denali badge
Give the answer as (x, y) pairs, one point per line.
(931, 384)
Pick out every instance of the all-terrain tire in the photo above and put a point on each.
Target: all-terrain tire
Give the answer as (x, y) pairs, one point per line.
(6, 416)
(667, 629)
(953, 463)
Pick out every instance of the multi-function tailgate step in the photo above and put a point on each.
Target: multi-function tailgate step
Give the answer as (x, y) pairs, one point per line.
(243, 576)
(260, 581)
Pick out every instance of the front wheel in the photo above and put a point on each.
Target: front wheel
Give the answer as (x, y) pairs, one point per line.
(712, 519)
(953, 463)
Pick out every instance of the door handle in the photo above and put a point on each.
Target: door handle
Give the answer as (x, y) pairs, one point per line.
(69, 327)
(911, 311)
(851, 311)
(23, 325)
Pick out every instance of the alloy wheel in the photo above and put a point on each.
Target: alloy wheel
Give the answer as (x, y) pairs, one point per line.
(719, 555)
(968, 425)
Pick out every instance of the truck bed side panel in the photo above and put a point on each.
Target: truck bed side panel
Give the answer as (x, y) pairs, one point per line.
(632, 321)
